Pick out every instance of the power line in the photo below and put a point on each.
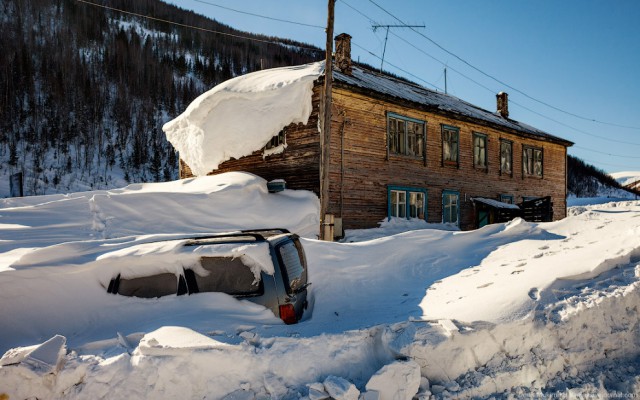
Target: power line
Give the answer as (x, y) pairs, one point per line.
(395, 66)
(610, 165)
(197, 27)
(501, 82)
(575, 129)
(260, 16)
(605, 153)
(487, 88)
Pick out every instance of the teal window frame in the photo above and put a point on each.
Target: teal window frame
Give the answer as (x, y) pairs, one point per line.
(445, 195)
(407, 206)
(485, 140)
(404, 139)
(509, 197)
(452, 130)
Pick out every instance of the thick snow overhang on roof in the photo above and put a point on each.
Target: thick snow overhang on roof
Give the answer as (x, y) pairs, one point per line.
(388, 86)
(241, 115)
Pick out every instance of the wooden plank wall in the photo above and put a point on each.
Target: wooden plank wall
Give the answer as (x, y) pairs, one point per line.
(360, 171)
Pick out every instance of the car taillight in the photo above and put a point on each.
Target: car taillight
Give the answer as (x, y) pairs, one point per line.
(288, 314)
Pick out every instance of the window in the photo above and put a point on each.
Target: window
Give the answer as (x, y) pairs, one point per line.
(506, 157)
(450, 145)
(295, 265)
(398, 204)
(276, 141)
(406, 135)
(226, 275)
(450, 207)
(407, 202)
(532, 161)
(147, 287)
(480, 151)
(506, 198)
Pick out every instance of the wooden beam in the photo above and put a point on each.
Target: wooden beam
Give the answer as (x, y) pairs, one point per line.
(325, 137)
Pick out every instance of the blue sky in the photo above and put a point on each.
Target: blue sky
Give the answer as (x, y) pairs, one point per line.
(579, 56)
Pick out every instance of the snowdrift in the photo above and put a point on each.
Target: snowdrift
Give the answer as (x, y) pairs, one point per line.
(517, 309)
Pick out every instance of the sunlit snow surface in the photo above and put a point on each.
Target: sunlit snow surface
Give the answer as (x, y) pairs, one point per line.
(517, 308)
(241, 115)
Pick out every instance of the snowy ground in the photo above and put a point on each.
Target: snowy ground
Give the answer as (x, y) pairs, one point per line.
(511, 310)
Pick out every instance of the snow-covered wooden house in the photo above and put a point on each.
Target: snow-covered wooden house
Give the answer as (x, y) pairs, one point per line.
(401, 150)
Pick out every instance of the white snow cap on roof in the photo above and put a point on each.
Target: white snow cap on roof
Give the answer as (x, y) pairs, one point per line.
(241, 115)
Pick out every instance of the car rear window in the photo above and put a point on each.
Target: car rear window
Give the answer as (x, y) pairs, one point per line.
(294, 263)
(149, 286)
(227, 275)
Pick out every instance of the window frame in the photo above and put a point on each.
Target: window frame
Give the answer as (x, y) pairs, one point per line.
(446, 193)
(510, 197)
(485, 139)
(525, 166)
(456, 131)
(403, 141)
(407, 198)
(502, 171)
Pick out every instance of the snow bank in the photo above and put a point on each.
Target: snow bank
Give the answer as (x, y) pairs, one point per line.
(241, 115)
(516, 309)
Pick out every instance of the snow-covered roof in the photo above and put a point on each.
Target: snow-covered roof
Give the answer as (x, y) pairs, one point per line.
(386, 85)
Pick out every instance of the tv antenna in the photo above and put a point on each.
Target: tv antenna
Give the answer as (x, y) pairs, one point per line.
(384, 50)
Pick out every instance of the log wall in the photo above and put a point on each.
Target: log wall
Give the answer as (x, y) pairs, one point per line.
(361, 169)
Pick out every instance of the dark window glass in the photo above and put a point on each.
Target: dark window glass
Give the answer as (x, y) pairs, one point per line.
(226, 275)
(505, 156)
(406, 137)
(149, 286)
(294, 265)
(450, 146)
(479, 151)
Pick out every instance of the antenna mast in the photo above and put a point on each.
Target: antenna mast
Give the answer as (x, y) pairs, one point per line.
(384, 50)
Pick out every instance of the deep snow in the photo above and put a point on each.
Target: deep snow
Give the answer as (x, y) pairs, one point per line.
(516, 309)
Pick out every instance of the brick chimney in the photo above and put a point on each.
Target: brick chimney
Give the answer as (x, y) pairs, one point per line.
(503, 104)
(343, 53)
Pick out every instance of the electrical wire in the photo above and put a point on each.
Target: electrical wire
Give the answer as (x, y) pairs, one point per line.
(605, 153)
(260, 16)
(198, 28)
(501, 82)
(485, 87)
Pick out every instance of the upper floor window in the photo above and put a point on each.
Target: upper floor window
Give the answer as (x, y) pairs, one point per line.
(506, 157)
(532, 161)
(276, 145)
(450, 145)
(406, 135)
(479, 151)
(278, 140)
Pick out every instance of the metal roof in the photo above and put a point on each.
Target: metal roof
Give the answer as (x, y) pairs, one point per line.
(431, 100)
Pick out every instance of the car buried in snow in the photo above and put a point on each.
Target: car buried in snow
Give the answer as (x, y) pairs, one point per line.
(266, 266)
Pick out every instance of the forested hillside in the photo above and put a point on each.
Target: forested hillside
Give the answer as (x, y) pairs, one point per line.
(84, 91)
(585, 180)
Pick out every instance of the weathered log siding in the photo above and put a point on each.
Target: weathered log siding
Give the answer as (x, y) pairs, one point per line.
(360, 171)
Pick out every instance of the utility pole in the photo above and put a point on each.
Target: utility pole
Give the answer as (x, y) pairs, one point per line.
(325, 137)
(384, 50)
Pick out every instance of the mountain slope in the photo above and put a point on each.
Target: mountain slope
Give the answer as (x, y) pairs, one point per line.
(85, 90)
